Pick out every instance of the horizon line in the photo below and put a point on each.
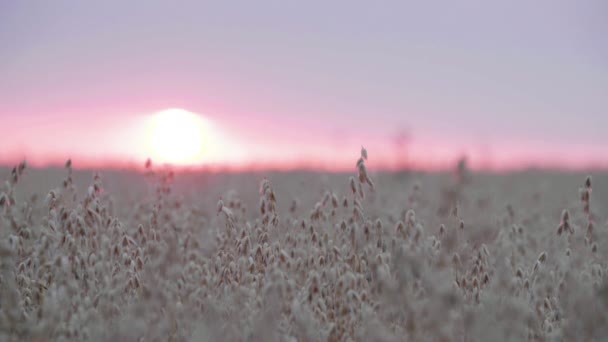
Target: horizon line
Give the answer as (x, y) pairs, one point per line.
(319, 167)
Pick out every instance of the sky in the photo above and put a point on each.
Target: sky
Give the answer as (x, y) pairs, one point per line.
(307, 83)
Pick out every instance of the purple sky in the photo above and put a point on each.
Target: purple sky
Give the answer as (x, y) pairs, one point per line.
(287, 80)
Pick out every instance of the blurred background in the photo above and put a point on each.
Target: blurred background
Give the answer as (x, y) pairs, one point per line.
(286, 84)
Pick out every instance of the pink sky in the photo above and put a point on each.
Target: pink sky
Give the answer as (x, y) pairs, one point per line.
(509, 84)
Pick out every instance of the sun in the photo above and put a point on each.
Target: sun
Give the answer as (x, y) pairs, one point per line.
(177, 136)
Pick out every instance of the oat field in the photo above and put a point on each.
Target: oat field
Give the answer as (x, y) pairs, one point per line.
(159, 255)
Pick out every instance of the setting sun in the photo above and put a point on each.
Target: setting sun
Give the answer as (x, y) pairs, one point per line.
(177, 136)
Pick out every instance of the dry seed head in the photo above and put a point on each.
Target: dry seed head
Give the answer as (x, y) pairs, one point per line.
(363, 153)
(590, 227)
(565, 216)
(456, 259)
(264, 186)
(441, 229)
(361, 170)
(22, 167)
(542, 257)
(357, 213)
(455, 211)
(262, 206)
(419, 232)
(585, 196)
(378, 225)
(353, 185)
(410, 218)
(353, 235)
(343, 225)
(485, 250)
(536, 266)
(565, 223)
(400, 227)
(547, 304)
(14, 176)
(334, 201)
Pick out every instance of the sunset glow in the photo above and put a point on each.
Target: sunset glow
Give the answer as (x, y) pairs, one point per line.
(177, 136)
(273, 85)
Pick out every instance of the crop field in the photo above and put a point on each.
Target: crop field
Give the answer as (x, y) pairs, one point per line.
(158, 255)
